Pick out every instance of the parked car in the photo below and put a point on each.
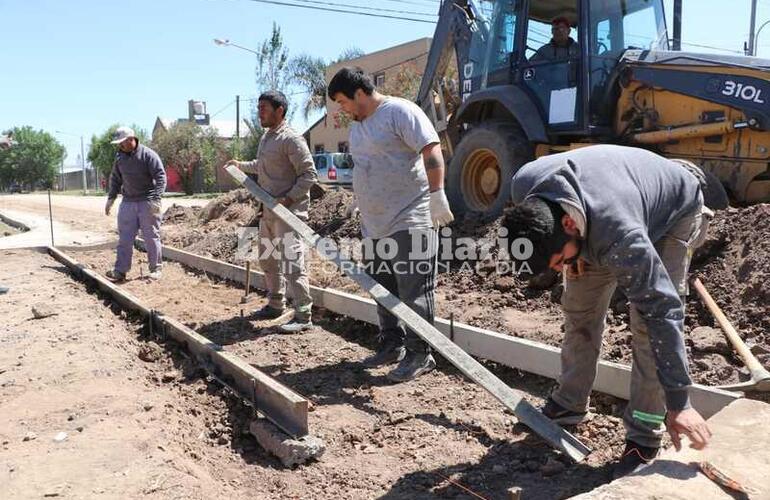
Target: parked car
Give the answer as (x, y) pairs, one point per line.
(334, 168)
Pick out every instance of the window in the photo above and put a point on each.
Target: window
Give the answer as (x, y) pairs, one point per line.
(379, 79)
(318, 148)
(343, 147)
(549, 41)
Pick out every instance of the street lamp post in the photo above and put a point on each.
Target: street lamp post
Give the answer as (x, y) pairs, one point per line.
(227, 43)
(756, 37)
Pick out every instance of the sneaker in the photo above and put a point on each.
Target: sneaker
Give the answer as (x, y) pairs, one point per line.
(268, 312)
(298, 325)
(154, 275)
(635, 458)
(561, 415)
(115, 276)
(388, 352)
(412, 366)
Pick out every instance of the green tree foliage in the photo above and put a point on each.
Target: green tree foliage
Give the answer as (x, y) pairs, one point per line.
(33, 160)
(102, 154)
(309, 72)
(192, 151)
(246, 148)
(272, 71)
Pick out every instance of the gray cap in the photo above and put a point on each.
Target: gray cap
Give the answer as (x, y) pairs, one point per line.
(121, 134)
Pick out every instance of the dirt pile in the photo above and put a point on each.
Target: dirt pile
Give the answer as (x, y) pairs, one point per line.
(213, 229)
(734, 265)
(328, 215)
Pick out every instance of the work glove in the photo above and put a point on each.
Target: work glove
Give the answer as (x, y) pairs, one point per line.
(155, 207)
(108, 206)
(352, 209)
(440, 213)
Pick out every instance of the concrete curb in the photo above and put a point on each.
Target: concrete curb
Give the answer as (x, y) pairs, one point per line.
(14, 223)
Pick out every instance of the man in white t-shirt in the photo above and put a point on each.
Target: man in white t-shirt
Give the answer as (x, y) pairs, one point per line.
(398, 180)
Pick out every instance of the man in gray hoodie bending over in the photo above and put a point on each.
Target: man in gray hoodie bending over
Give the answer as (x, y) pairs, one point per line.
(139, 176)
(613, 216)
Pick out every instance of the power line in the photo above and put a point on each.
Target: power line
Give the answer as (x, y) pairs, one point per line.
(377, 9)
(223, 109)
(328, 9)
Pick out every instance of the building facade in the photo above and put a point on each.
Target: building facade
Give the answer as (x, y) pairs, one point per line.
(387, 67)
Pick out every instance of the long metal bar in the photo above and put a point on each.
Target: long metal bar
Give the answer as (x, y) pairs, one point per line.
(513, 400)
(282, 406)
(533, 357)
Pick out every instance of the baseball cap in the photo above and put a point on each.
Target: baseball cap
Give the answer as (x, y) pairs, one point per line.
(121, 134)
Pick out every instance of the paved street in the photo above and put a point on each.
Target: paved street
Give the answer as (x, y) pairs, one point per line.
(78, 220)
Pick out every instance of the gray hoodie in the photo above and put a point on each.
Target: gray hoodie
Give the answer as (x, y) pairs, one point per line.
(630, 198)
(138, 175)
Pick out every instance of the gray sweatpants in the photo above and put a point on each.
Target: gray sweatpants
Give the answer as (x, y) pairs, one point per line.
(585, 302)
(405, 264)
(132, 216)
(282, 258)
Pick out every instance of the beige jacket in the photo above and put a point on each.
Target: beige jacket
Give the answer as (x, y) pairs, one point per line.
(284, 167)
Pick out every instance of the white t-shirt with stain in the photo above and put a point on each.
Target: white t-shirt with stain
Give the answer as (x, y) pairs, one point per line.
(389, 178)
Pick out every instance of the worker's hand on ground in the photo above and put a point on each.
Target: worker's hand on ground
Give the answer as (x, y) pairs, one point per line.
(108, 206)
(155, 207)
(440, 213)
(691, 424)
(352, 209)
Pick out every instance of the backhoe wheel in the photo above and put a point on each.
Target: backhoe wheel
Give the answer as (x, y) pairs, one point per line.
(479, 177)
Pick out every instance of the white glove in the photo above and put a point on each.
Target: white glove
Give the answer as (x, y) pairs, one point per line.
(440, 213)
(352, 209)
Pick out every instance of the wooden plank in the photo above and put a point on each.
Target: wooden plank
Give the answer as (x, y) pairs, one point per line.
(513, 400)
(282, 406)
(533, 357)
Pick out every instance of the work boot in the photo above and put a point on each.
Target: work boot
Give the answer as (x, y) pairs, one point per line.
(561, 415)
(388, 352)
(635, 458)
(297, 325)
(412, 366)
(268, 312)
(115, 276)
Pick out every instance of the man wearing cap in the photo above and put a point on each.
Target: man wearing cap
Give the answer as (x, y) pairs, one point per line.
(139, 176)
(561, 46)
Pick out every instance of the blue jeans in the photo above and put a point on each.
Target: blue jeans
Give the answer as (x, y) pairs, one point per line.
(132, 216)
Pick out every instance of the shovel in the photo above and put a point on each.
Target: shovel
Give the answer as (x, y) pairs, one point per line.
(760, 377)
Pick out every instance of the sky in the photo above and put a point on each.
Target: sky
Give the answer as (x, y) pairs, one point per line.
(79, 66)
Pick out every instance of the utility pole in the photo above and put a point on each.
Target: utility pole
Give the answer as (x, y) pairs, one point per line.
(237, 118)
(752, 49)
(83, 162)
(677, 25)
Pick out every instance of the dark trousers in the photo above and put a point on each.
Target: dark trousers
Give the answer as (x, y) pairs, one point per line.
(405, 264)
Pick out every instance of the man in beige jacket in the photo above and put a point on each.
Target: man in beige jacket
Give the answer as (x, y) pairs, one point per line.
(284, 168)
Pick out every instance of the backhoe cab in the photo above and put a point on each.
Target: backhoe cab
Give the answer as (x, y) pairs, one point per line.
(520, 89)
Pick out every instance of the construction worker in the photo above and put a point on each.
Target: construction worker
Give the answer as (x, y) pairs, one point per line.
(613, 216)
(399, 184)
(139, 176)
(284, 168)
(561, 46)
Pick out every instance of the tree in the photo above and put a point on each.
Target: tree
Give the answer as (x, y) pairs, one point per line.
(102, 154)
(309, 72)
(33, 160)
(192, 151)
(246, 149)
(272, 71)
(404, 83)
